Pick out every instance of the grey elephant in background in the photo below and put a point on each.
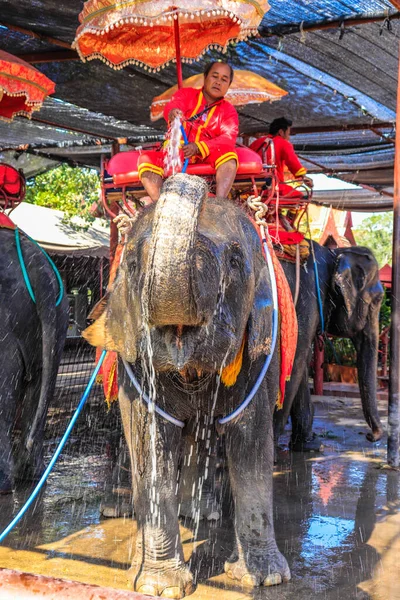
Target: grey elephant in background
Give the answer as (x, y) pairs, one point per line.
(31, 341)
(351, 296)
(193, 292)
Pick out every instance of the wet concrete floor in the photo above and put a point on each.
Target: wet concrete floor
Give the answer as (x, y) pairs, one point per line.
(337, 521)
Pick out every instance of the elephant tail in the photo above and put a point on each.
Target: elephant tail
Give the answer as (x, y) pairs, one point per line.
(54, 323)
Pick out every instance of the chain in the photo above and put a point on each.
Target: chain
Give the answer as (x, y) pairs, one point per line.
(260, 210)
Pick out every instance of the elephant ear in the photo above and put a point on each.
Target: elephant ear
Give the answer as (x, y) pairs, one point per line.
(350, 280)
(260, 322)
(115, 327)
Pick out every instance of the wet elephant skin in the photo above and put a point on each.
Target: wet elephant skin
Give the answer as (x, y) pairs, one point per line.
(192, 286)
(31, 341)
(351, 295)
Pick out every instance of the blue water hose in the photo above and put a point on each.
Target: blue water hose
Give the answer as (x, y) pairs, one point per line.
(57, 453)
(25, 272)
(185, 139)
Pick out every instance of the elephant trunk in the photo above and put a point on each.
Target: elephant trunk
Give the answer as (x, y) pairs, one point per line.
(366, 343)
(169, 297)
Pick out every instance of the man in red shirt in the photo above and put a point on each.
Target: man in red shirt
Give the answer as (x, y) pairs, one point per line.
(211, 124)
(285, 156)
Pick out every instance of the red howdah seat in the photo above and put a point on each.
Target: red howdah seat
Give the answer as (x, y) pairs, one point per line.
(123, 166)
(12, 186)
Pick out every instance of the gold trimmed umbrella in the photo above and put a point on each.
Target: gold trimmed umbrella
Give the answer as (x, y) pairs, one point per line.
(246, 88)
(23, 88)
(152, 33)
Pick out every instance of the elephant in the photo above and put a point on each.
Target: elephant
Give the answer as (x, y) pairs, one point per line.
(190, 305)
(32, 337)
(351, 296)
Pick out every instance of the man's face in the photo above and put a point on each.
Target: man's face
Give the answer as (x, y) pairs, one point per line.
(217, 82)
(285, 133)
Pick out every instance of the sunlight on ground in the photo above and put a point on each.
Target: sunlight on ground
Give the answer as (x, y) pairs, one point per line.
(100, 555)
(385, 583)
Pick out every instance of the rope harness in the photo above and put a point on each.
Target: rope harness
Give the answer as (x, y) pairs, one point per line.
(259, 208)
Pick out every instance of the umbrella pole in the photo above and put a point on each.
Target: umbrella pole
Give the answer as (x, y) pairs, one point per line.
(178, 52)
(394, 370)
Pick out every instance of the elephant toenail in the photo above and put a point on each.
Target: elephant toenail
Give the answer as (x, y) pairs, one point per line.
(274, 579)
(147, 590)
(251, 580)
(173, 592)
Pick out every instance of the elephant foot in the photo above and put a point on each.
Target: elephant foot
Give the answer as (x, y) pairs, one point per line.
(310, 444)
(375, 434)
(163, 580)
(265, 571)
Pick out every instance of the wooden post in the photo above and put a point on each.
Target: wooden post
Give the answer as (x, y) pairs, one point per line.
(318, 366)
(394, 366)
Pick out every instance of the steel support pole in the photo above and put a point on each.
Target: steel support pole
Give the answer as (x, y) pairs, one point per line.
(394, 367)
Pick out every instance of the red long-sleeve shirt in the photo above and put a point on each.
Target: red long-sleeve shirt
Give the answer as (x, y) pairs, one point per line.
(284, 155)
(216, 127)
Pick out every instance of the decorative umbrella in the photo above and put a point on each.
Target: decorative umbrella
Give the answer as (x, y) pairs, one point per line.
(246, 88)
(153, 33)
(22, 87)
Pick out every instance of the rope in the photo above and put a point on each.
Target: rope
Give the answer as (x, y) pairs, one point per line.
(319, 300)
(297, 288)
(25, 272)
(57, 453)
(260, 210)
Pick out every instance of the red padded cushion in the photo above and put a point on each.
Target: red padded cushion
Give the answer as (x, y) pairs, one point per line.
(10, 180)
(123, 166)
(123, 162)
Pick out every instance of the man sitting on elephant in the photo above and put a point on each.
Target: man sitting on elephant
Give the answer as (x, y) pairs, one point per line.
(285, 157)
(211, 124)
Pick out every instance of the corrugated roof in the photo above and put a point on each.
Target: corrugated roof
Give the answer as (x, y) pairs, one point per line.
(338, 76)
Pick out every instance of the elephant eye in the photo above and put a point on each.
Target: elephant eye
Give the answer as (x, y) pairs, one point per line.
(235, 261)
(132, 265)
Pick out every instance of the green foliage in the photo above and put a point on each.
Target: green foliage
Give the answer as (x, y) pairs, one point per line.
(72, 190)
(385, 312)
(376, 233)
(340, 351)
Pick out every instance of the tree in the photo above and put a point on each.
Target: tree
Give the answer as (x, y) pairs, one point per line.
(376, 233)
(70, 189)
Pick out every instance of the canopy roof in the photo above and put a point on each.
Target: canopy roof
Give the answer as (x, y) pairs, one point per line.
(337, 59)
(48, 228)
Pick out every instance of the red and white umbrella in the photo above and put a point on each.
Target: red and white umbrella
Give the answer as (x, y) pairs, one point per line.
(152, 33)
(246, 88)
(23, 88)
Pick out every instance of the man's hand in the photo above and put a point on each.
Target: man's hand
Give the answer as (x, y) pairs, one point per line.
(190, 150)
(175, 112)
(308, 182)
(124, 224)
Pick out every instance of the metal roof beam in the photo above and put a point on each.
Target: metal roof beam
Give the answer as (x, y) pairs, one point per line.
(38, 36)
(291, 28)
(49, 57)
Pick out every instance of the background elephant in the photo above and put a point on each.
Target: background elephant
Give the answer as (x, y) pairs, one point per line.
(193, 293)
(31, 341)
(351, 295)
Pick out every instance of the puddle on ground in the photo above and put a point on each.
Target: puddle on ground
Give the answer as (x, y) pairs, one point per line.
(337, 522)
